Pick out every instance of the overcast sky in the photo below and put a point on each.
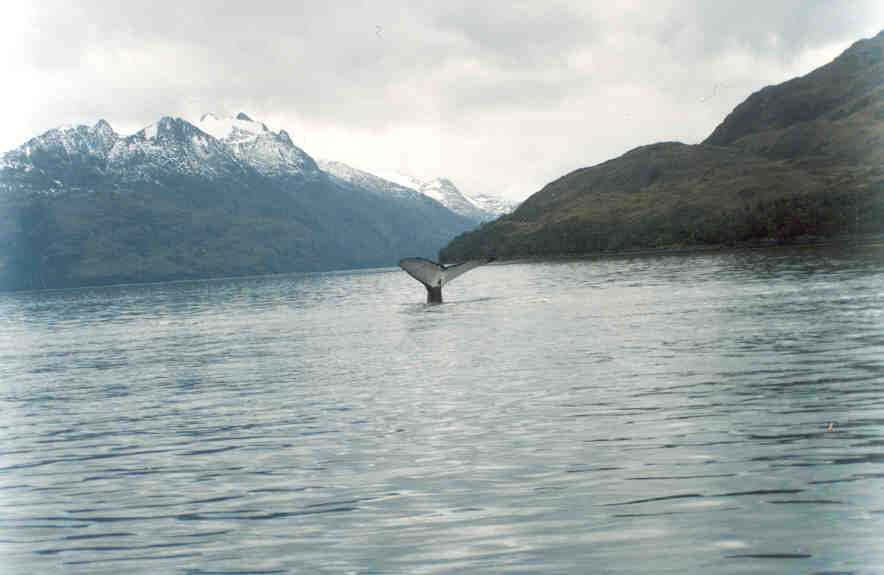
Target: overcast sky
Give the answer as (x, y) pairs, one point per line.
(500, 97)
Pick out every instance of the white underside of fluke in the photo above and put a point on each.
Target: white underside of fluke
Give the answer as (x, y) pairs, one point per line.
(432, 274)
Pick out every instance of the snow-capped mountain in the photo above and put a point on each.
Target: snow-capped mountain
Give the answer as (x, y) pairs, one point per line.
(70, 141)
(440, 189)
(81, 150)
(271, 153)
(81, 156)
(445, 192)
(493, 205)
(477, 208)
(171, 145)
(415, 192)
(84, 205)
(366, 180)
(214, 148)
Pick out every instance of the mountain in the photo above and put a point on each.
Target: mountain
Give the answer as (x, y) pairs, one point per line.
(833, 110)
(798, 160)
(493, 205)
(84, 205)
(446, 193)
(478, 208)
(440, 189)
(271, 154)
(367, 181)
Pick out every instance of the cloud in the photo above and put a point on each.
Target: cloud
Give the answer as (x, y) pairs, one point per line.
(501, 97)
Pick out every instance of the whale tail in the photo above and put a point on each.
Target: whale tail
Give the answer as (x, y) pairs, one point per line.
(434, 275)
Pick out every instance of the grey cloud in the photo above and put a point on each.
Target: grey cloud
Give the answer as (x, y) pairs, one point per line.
(520, 35)
(582, 78)
(699, 29)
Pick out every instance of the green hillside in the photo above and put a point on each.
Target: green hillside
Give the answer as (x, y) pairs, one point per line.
(797, 160)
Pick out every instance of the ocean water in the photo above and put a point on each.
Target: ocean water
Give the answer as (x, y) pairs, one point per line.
(705, 413)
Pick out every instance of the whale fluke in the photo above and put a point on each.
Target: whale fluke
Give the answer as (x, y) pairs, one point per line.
(434, 275)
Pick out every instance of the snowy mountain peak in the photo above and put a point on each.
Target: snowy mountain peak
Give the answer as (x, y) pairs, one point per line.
(102, 127)
(270, 153)
(367, 181)
(241, 127)
(494, 205)
(443, 190)
(399, 178)
(62, 144)
(440, 189)
(170, 146)
(212, 147)
(166, 128)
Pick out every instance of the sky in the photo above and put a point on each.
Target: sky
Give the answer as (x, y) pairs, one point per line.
(499, 97)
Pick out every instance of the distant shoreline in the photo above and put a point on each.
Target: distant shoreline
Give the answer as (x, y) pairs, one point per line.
(809, 242)
(864, 240)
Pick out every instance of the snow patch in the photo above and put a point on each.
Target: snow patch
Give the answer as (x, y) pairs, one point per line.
(223, 128)
(494, 205)
(482, 207)
(150, 132)
(398, 178)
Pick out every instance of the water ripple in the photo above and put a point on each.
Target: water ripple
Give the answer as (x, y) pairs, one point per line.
(716, 413)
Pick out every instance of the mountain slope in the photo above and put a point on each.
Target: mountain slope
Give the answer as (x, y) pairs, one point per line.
(271, 154)
(493, 205)
(835, 112)
(368, 181)
(84, 206)
(477, 208)
(445, 192)
(803, 158)
(848, 85)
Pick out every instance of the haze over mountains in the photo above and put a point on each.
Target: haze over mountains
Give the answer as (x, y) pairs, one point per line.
(84, 205)
(800, 160)
(479, 208)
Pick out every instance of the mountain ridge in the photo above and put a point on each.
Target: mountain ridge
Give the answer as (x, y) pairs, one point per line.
(801, 159)
(478, 208)
(84, 206)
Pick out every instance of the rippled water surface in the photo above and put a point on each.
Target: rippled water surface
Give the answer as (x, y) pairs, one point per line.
(660, 414)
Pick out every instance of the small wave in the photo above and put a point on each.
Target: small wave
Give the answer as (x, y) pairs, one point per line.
(770, 556)
(653, 499)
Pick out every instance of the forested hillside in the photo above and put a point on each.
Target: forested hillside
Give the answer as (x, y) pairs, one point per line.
(800, 160)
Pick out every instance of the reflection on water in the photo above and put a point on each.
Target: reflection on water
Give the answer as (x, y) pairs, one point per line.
(652, 414)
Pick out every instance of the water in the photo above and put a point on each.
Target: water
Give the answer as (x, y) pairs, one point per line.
(654, 414)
